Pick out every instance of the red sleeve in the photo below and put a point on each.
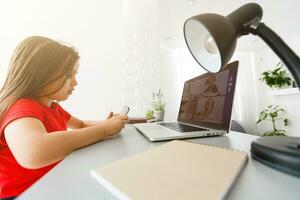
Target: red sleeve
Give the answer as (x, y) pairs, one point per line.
(21, 108)
(63, 112)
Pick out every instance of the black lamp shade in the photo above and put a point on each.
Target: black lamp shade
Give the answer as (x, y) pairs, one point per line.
(199, 29)
(211, 38)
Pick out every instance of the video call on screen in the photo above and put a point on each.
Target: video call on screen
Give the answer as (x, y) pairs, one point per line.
(203, 98)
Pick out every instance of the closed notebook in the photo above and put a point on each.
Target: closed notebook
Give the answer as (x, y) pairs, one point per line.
(175, 170)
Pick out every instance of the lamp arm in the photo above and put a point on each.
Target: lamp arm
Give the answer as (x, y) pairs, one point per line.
(285, 53)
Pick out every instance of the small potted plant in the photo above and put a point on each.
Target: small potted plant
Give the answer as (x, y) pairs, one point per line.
(277, 78)
(272, 113)
(158, 105)
(149, 114)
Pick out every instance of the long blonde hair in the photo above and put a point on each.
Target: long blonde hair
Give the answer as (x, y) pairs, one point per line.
(36, 62)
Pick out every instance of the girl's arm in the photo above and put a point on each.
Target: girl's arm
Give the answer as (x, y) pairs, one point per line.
(75, 123)
(34, 148)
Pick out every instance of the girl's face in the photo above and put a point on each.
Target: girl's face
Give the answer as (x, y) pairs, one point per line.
(67, 88)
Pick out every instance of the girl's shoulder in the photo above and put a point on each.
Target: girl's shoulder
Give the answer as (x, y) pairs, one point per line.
(28, 103)
(21, 108)
(24, 106)
(25, 103)
(27, 106)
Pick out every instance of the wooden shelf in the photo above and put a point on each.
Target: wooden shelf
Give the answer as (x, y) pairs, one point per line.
(287, 91)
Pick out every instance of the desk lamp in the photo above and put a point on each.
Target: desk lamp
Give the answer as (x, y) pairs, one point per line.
(211, 39)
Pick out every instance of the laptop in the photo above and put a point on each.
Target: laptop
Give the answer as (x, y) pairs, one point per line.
(205, 108)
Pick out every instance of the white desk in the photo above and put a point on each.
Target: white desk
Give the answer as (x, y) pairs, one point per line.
(71, 180)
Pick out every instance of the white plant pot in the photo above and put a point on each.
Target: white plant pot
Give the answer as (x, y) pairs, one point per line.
(283, 87)
(159, 115)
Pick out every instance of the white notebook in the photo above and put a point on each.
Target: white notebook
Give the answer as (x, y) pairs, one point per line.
(175, 170)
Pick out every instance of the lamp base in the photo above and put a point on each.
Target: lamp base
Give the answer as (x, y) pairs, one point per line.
(279, 152)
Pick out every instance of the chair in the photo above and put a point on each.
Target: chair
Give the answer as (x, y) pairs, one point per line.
(235, 126)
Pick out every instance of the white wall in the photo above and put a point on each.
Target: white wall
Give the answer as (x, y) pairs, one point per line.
(140, 57)
(93, 27)
(266, 59)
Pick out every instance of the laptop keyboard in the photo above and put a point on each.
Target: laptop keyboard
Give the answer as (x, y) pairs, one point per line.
(181, 127)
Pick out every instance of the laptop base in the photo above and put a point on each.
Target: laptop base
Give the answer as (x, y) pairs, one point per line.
(155, 132)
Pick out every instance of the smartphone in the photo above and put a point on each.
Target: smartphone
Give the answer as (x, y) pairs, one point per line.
(125, 110)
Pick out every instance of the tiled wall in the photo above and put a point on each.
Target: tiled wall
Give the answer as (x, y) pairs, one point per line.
(140, 57)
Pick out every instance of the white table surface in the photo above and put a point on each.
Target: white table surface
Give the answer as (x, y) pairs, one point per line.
(71, 179)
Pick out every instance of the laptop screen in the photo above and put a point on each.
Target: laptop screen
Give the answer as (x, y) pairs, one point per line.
(207, 99)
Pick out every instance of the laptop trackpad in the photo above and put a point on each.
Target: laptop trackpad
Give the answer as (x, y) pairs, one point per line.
(155, 129)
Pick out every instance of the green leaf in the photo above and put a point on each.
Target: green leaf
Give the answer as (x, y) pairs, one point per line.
(286, 121)
(272, 112)
(275, 133)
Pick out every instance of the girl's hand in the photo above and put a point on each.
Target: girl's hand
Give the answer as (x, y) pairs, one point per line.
(110, 115)
(115, 124)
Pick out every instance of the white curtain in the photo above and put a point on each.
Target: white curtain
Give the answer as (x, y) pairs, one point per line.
(245, 101)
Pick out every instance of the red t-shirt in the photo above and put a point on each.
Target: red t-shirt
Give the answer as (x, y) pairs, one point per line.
(14, 179)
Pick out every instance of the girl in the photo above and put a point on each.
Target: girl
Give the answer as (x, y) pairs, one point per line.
(33, 127)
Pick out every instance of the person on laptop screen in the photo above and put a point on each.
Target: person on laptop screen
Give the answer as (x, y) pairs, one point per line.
(206, 103)
(190, 100)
